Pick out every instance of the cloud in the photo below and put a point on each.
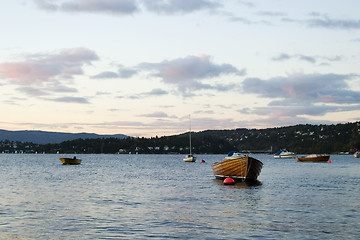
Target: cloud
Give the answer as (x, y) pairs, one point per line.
(39, 68)
(49, 89)
(325, 22)
(187, 73)
(296, 96)
(127, 7)
(30, 91)
(106, 75)
(156, 115)
(155, 92)
(99, 93)
(58, 88)
(291, 115)
(282, 57)
(179, 6)
(290, 20)
(204, 112)
(123, 72)
(116, 7)
(241, 20)
(323, 88)
(127, 72)
(71, 100)
(306, 58)
(272, 14)
(28, 72)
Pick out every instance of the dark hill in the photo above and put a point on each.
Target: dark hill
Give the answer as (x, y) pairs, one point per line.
(302, 139)
(42, 137)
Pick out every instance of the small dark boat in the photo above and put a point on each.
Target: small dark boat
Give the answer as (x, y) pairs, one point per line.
(240, 168)
(314, 158)
(70, 161)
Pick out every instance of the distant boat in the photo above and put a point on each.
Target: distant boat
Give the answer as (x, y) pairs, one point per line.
(238, 167)
(233, 155)
(283, 153)
(314, 158)
(357, 154)
(190, 157)
(70, 161)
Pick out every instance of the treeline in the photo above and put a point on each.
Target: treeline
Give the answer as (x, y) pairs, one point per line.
(304, 138)
(300, 139)
(159, 145)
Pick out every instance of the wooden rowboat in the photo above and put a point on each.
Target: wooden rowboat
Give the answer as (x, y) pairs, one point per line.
(314, 158)
(240, 168)
(70, 161)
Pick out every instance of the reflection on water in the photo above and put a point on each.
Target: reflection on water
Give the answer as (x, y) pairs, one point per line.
(249, 184)
(160, 196)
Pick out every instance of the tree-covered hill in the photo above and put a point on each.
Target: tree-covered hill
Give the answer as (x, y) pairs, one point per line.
(43, 137)
(299, 138)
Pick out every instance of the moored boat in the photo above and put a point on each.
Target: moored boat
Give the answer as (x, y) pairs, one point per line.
(314, 158)
(283, 153)
(189, 158)
(70, 161)
(233, 155)
(239, 167)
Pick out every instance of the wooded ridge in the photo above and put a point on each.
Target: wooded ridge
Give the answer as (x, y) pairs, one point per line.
(300, 139)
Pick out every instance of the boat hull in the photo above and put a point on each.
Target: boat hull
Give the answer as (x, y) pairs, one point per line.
(70, 161)
(285, 156)
(314, 158)
(190, 159)
(240, 169)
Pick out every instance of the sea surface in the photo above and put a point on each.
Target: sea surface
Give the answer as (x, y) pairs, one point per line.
(162, 197)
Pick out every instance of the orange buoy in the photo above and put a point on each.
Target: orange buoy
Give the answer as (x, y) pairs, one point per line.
(329, 161)
(229, 181)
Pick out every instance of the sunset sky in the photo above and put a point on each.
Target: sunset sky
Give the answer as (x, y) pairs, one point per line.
(141, 67)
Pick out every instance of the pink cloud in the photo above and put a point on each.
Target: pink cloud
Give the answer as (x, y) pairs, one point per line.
(22, 72)
(40, 68)
(189, 72)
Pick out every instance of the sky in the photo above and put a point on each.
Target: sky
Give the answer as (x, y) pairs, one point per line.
(158, 67)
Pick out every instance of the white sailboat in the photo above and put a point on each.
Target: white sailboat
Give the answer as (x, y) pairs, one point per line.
(190, 157)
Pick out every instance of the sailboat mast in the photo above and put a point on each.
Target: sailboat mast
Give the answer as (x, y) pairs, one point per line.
(190, 132)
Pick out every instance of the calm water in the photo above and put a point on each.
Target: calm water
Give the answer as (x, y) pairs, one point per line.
(162, 197)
